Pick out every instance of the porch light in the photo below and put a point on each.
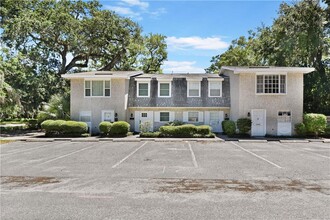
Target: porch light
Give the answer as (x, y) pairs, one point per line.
(248, 114)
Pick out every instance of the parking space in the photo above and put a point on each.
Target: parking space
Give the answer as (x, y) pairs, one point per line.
(140, 171)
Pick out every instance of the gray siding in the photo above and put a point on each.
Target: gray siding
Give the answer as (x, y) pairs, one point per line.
(179, 95)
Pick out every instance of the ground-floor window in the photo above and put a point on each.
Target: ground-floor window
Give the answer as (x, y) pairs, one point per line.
(193, 117)
(164, 116)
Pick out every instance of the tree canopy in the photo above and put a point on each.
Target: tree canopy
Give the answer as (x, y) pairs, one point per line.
(42, 39)
(300, 36)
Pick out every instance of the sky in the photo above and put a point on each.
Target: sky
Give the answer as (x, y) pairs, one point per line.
(196, 30)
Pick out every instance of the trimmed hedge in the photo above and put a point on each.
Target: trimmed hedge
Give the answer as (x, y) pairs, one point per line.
(150, 135)
(244, 125)
(300, 129)
(315, 123)
(119, 128)
(61, 128)
(105, 127)
(43, 116)
(183, 131)
(229, 127)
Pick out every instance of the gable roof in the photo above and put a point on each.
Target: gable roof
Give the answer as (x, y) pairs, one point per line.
(102, 74)
(263, 69)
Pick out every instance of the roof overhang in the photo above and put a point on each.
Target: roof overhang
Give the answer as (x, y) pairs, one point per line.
(266, 69)
(103, 75)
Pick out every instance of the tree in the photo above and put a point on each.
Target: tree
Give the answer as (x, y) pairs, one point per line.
(154, 53)
(298, 37)
(43, 39)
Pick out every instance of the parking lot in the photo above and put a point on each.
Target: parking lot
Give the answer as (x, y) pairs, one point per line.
(165, 180)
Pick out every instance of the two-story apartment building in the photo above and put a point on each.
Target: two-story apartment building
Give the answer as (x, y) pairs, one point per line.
(271, 96)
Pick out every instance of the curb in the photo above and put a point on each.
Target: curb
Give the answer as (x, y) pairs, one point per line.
(252, 141)
(39, 140)
(294, 141)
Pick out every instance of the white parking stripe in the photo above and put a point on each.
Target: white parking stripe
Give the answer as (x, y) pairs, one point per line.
(22, 151)
(125, 158)
(264, 159)
(66, 155)
(301, 149)
(192, 155)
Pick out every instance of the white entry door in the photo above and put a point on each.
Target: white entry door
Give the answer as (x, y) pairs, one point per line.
(258, 117)
(143, 117)
(215, 119)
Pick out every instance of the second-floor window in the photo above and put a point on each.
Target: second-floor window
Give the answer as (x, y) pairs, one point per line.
(194, 89)
(143, 89)
(164, 89)
(215, 89)
(271, 84)
(97, 88)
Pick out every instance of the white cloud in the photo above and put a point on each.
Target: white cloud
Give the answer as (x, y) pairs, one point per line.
(141, 4)
(135, 9)
(194, 42)
(124, 11)
(182, 67)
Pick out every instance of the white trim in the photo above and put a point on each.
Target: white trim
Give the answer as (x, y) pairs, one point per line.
(199, 90)
(91, 88)
(279, 83)
(209, 87)
(170, 88)
(137, 88)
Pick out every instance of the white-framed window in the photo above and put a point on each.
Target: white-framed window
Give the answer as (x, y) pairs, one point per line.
(271, 84)
(193, 117)
(144, 115)
(97, 88)
(194, 88)
(215, 88)
(143, 89)
(164, 89)
(108, 115)
(284, 116)
(164, 116)
(85, 116)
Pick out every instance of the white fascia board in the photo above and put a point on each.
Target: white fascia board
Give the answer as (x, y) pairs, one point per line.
(142, 79)
(199, 79)
(215, 79)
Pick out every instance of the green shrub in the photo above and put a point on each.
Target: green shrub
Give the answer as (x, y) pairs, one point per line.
(315, 123)
(150, 134)
(203, 129)
(61, 128)
(244, 125)
(105, 127)
(119, 128)
(300, 129)
(174, 123)
(43, 116)
(73, 128)
(229, 127)
(185, 131)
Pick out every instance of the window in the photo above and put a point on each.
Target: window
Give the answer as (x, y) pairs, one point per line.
(85, 116)
(164, 116)
(215, 89)
(284, 116)
(271, 84)
(143, 89)
(194, 89)
(144, 115)
(193, 116)
(108, 115)
(97, 88)
(164, 89)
